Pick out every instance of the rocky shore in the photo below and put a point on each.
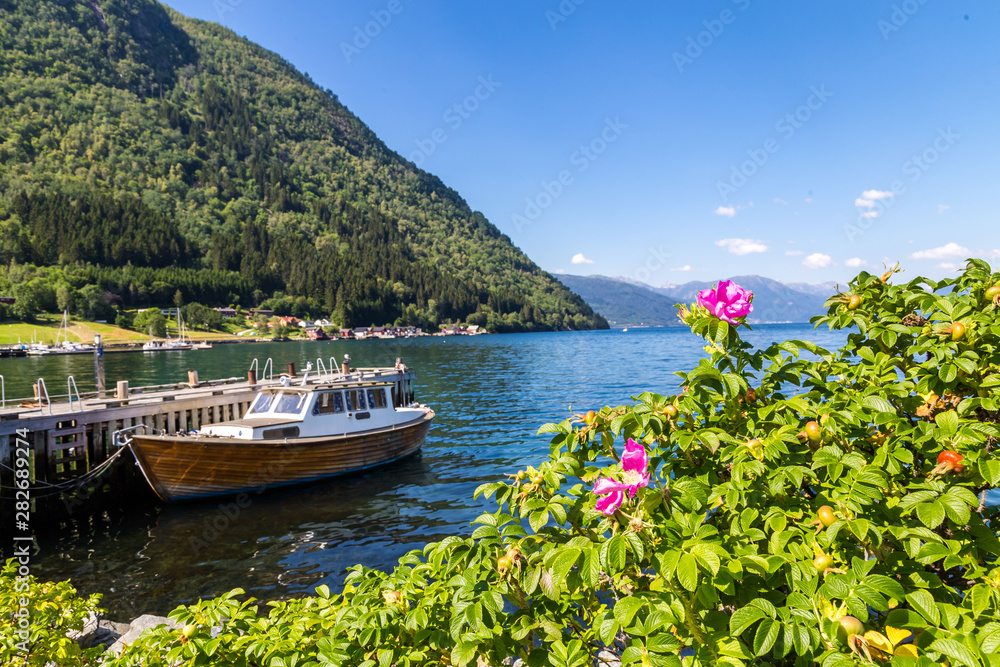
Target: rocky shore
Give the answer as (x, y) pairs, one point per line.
(114, 637)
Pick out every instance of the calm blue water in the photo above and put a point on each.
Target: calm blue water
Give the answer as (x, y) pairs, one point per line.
(491, 393)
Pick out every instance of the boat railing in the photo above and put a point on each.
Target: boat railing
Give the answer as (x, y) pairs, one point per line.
(268, 372)
(43, 391)
(322, 369)
(71, 390)
(3, 393)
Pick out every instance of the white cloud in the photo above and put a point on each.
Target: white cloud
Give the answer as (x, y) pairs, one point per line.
(942, 208)
(793, 253)
(993, 254)
(559, 271)
(578, 258)
(855, 262)
(728, 211)
(947, 265)
(949, 251)
(741, 246)
(876, 194)
(864, 203)
(870, 214)
(779, 200)
(686, 267)
(809, 200)
(817, 260)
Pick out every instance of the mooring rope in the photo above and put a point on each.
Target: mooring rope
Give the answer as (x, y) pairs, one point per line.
(62, 487)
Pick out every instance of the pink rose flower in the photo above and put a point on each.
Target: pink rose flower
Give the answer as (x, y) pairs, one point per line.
(635, 475)
(728, 301)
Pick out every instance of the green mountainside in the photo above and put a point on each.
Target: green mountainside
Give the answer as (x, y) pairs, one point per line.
(144, 153)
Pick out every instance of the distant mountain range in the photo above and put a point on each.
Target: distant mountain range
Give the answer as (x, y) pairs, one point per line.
(624, 302)
(630, 304)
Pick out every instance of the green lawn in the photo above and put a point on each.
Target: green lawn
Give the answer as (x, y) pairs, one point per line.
(46, 329)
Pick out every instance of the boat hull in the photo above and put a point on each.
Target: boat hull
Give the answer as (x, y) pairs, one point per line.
(191, 467)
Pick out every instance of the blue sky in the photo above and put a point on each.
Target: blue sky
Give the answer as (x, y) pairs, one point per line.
(666, 143)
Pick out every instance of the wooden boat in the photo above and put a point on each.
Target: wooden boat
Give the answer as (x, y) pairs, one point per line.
(291, 434)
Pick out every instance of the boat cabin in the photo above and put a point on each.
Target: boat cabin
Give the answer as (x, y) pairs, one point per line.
(317, 410)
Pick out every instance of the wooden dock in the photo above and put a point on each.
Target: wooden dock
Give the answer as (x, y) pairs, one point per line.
(71, 442)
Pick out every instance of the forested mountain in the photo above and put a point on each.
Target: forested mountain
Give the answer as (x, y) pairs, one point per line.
(148, 153)
(624, 304)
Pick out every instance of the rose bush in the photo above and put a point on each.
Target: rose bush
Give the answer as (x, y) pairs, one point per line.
(722, 533)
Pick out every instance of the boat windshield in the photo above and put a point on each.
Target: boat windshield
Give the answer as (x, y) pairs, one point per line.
(289, 403)
(261, 403)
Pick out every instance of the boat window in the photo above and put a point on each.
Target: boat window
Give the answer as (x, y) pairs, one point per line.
(355, 400)
(289, 403)
(261, 404)
(329, 402)
(284, 432)
(376, 398)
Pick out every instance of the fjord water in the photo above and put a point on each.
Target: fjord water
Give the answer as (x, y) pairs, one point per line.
(490, 393)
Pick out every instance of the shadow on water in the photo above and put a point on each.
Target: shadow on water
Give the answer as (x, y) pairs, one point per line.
(490, 393)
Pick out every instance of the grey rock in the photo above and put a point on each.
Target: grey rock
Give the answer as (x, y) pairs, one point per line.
(108, 632)
(98, 631)
(136, 628)
(606, 658)
(84, 637)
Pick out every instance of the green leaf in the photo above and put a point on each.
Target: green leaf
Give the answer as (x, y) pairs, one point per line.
(948, 373)
(538, 519)
(548, 585)
(990, 470)
(687, 572)
(767, 634)
(743, 618)
(888, 586)
(591, 570)
(904, 618)
(923, 602)
(980, 596)
(990, 640)
(562, 563)
(956, 508)
(613, 554)
(530, 578)
(625, 610)
(947, 421)
(707, 557)
(954, 650)
(878, 404)
(930, 514)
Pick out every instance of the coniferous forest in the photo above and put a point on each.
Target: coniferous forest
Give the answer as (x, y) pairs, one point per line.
(144, 154)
